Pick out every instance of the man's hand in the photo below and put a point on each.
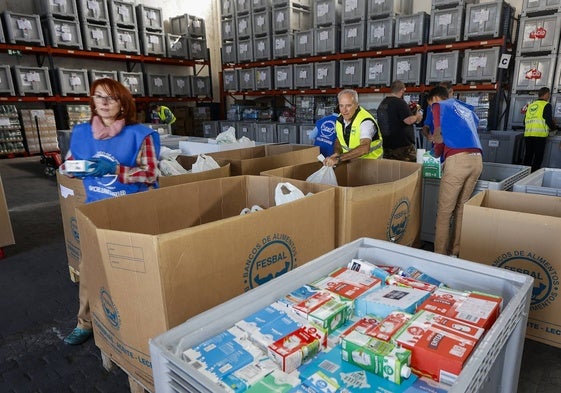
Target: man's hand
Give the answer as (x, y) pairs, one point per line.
(332, 160)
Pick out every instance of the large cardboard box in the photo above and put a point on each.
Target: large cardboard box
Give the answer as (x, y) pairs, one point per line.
(254, 160)
(520, 232)
(380, 199)
(6, 232)
(187, 163)
(188, 251)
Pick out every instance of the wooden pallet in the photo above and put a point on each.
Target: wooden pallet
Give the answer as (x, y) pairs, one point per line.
(135, 385)
(74, 274)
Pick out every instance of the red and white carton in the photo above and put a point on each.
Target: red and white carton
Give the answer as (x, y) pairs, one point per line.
(305, 307)
(390, 325)
(476, 308)
(294, 349)
(348, 283)
(396, 279)
(364, 325)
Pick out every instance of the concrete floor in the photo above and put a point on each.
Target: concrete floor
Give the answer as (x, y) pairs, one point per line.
(39, 303)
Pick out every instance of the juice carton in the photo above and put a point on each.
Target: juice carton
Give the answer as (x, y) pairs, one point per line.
(299, 295)
(291, 351)
(419, 275)
(331, 315)
(384, 300)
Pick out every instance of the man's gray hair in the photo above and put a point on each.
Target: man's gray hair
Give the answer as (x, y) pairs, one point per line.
(350, 92)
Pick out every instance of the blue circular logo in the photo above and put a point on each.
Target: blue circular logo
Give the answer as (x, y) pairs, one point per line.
(109, 308)
(270, 258)
(74, 229)
(398, 221)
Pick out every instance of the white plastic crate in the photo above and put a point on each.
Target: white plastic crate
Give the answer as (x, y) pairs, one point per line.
(380, 33)
(290, 19)
(409, 69)
(351, 73)
(480, 65)
(262, 49)
(23, 29)
(263, 78)
(304, 76)
(447, 25)
(326, 74)
(122, 13)
(538, 34)
(201, 86)
(304, 43)
(327, 40)
(283, 45)
(230, 80)
(73, 81)
(125, 40)
(158, 85)
(534, 72)
(197, 48)
(493, 366)
(133, 81)
(443, 67)
(153, 43)
(98, 74)
(176, 46)
(244, 26)
(180, 85)
(544, 181)
(383, 8)
(64, 9)
(63, 33)
(411, 29)
(283, 76)
(32, 80)
(488, 20)
(353, 36)
(246, 78)
(97, 37)
(287, 133)
(6, 83)
(535, 7)
(262, 23)
(149, 18)
(93, 11)
(378, 71)
(353, 10)
(326, 12)
(265, 132)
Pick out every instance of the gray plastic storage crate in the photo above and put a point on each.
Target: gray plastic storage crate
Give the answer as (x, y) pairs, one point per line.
(227, 8)
(32, 80)
(304, 132)
(265, 132)
(447, 25)
(556, 104)
(495, 176)
(488, 20)
(226, 124)
(263, 78)
(149, 18)
(195, 26)
(517, 112)
(287, 133)
(97, 37)
(64, 9)
(197, 48)
(304, 43)
(351, 73)
(6, 83)
(439, 4)
(2, 38)
(538, 34)
(383, 8)
(73, 82)
(534, 72)
(411, 29)
(326, 12)
(544, 181)
(23, 29)
(243, 7)
(443, 67)
(298, 3)
(262, 49)
(353, 10)
(326, 74)
(283, 77)
(122, 13)
(158, 85)
(259, 5)
(262, 23)
(201, 86)
(63, 33)
(480, 65)
(552, 154)
(176, 46)
(378, 71)
(245, 129)
(353, 36)
(283, 45)
(535, 7)
(327, 40)
(230, 80)
(304, 76)
(229, 53)
(409, 69)
(93, 11)
(380, 33)
(244, 26)
(246, 79)
(125, 40)
(228, 29)
(493, 366)
(98, 74)
(180, 85)
(503, 147)
(153, 43)
(133, 81)
(290, 19)
(210, 128)
(245, 50)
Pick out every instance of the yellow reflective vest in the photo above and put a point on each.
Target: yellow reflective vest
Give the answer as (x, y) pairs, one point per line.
(534, 123)
(166, 115)
(376, 150)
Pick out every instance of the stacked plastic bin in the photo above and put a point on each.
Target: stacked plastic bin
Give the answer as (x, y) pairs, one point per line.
(94, 22)
(124, 27)
(151, 30)
(188, 38)
(60, 23)
(228, 32)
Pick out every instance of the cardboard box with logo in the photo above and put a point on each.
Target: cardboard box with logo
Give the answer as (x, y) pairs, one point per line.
(188, 251)
(6, 232)
(520, 232)
(254, 160)
(380, 199)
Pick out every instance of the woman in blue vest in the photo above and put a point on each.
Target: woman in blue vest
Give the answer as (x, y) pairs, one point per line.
(123, 159)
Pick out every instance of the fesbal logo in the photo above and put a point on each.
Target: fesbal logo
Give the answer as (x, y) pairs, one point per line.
(271, 257)
(109, 308)
(546, 279)
(399, 219)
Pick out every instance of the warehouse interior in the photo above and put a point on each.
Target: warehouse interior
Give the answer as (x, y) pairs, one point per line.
(213, 83)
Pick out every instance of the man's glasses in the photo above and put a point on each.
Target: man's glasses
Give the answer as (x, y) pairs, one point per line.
(108, 99)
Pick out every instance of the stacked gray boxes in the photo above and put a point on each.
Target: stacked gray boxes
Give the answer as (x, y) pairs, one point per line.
(411, 30)
(378, 71)
(228, 32)
(283, 45)
(158, 85)
(200, 86)
(383, 8)
(380, 33)
(488, 20)
(23, 28)
(264, 78)
(230, 80)
(246, 79)
(73, 81)
(180, 85)
(6, 83)
(188, 38)
(32, 80)
(124, 28)
(95, 25)
(60, 23)
(353, 26)
(304, 43)
(133, 81)
(410, 69)
(443, 67)
(283, 76)
(351, 73)
(446, 25)
(98, 74)
(262, 31)
(151, 30)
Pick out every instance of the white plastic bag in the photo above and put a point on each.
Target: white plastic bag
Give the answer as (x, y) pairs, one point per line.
(204, 163)
(169, 154)
(292, 193)
(171, 168)
(228, 136)
(325, 175)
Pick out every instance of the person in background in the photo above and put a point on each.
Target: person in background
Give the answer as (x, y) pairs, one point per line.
(538, 122)
(456, 139)
(427, 129)
(396, 123)
(164, 114)
(324, 134)
(123, 157)
(358, 135)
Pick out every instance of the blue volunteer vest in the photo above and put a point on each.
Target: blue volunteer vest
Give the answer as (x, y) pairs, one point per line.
(121, 149)
(326, 134)
(459, 123)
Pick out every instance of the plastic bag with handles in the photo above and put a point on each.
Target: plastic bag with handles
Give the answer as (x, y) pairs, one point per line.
(292, 193)
(325, 175)
(204, 163)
